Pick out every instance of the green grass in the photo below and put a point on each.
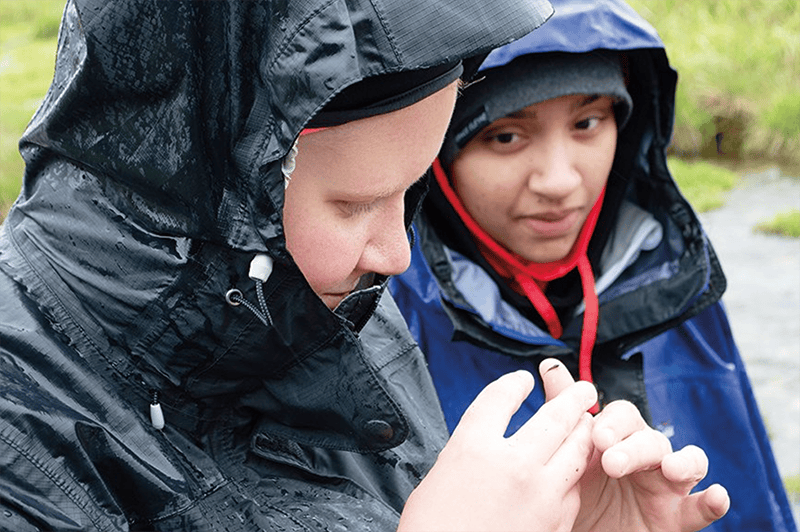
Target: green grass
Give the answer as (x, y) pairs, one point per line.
(704, 184)
(28, 33)
(737, 61)
(786, 223)
(792, 487)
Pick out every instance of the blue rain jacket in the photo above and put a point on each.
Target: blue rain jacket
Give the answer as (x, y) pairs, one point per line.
(664, 341)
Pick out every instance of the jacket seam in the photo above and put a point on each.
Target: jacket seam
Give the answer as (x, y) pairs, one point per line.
(58, 307)
(389, 35)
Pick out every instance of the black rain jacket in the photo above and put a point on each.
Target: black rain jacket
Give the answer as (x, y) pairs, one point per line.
(152, 180)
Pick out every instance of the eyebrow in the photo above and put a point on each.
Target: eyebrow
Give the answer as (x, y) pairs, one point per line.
(527, 112)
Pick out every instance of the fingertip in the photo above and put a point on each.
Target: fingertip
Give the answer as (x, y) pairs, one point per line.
(717, 500)
(615, 463)
(494, 406)
(689, 464)
(549, 364)
(525, 377)
(521, 379)
(588, 392)
(603, 437)
(703, 508)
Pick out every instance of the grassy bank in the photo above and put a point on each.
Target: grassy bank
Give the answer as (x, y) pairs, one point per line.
(28, 33)
(738, 63)
(704, 184)
(785, 223)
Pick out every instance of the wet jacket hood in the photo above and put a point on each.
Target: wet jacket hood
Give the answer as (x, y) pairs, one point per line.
(153, 177)
(185, 107)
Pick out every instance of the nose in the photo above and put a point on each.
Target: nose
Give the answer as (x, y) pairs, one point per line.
(552, 172)
(387, 250)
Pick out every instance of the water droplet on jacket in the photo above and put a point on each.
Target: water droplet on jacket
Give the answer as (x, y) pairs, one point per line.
(7, 513)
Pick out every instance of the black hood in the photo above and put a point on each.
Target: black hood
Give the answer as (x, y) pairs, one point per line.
(153, 177)
(182, 107)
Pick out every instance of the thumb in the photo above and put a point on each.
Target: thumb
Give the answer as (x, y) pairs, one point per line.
(555, 376)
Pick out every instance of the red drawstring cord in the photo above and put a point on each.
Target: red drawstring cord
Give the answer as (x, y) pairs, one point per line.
(591, 315)
(501, 259)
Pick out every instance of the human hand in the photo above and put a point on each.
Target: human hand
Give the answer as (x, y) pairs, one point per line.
(634, 481)
(528, 481)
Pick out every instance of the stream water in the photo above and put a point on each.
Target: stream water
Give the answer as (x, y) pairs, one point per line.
(763, 302)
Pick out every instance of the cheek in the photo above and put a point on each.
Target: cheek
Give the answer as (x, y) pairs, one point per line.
(602, 160)
(325, 254)
(486, 193)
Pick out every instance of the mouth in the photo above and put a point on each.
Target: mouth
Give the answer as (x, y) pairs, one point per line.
(552, 224)
(333, 298)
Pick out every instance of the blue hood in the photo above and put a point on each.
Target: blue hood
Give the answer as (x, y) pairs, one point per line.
(639, 174)
(610, 24)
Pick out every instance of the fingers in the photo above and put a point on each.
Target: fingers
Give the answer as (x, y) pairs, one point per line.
(491, 411)
(703, 508)
(557, 418)
(687, 466)
(555, 376)
(685, 469)
(615, 422)
(641, 451)
(569, 462)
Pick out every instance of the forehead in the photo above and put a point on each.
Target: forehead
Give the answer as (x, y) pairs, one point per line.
(380, 155)
(569, 103)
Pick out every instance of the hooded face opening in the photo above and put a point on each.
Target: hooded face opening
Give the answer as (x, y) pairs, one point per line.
(531, 178)
(344, 209)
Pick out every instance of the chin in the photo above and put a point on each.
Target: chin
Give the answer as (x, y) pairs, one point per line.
(546, 257)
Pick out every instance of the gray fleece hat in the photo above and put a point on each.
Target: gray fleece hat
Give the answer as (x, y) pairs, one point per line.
(532, 79)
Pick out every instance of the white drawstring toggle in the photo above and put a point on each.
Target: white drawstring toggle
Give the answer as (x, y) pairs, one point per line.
(156, 414)
(260, 268)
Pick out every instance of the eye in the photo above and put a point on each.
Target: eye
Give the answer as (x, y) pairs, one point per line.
(503, 140)
(588, 123)
(353, 208)
(505, 137)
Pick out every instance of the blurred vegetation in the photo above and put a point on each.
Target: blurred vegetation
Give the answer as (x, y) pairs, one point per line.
(702, 182)
(786, 223)
(738, 64)
(28, 33)
(793, 487)
(738, 94)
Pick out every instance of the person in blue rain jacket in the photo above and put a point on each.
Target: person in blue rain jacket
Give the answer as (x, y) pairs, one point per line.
(554, 229)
